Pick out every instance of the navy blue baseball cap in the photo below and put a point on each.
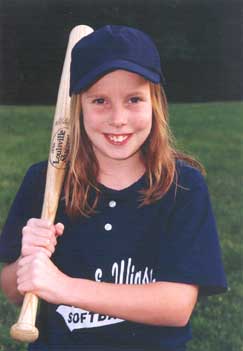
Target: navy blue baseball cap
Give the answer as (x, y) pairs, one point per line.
(113, 47)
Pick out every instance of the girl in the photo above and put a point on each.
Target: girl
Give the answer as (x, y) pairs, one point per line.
(139, 239)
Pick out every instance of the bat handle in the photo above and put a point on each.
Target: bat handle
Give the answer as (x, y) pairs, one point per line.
(25, 330)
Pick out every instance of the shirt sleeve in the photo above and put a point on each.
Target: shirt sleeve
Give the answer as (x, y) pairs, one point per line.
(191, 249)
(27, 204)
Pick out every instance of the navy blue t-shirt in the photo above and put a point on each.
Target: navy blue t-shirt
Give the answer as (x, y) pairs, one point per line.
(174, 240)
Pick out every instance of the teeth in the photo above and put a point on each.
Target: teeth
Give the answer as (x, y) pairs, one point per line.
(117, 138)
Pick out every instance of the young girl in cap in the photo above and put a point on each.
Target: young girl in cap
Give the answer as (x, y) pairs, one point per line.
(140, 242)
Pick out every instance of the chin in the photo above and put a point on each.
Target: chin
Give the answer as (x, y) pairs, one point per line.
(124, 156)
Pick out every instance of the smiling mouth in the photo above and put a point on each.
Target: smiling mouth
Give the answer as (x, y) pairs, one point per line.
(117, 139)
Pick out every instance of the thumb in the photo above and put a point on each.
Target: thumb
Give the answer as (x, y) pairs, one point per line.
(59, 229)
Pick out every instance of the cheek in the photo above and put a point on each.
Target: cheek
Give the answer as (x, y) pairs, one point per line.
(144, 121)
(89, 118)
(90, 121)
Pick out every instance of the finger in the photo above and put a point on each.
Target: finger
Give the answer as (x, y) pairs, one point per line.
(25, 284)
(23, 275)
(59, 229)
(33, 234)
(30, 250)
(40, 231)
(30, 270)
(22, 287)
(33, 241)
(34, 259)
(26, 260)
(22, 268)
(39, 222)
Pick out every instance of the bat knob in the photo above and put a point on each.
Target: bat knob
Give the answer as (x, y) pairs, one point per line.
(24, 332)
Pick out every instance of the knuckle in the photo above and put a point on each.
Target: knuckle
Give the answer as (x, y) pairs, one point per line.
(53, 229)
(51, 240)
(51, 234)
(43, 250)
(19, 288)
(25, 230)
(24, 251)
(47, 241)
(47, 223)
(35, 283)
(34, 276)
(35, 272)
(31, 221)
(48, 253)
(39, 256)
(20, 263)
(36, 258)
(23, 254)
(18, 273)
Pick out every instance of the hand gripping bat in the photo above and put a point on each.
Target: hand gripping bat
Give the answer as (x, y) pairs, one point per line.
(24, 329)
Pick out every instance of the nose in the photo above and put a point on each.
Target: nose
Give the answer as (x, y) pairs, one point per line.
(118, 117)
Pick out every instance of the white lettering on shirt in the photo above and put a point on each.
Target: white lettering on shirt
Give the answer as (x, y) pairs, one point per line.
(76, 318)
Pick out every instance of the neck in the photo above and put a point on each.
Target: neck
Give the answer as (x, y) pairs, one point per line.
(119, 174)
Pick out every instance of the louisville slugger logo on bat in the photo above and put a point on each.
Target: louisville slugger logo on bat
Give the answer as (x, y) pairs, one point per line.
(60, 148)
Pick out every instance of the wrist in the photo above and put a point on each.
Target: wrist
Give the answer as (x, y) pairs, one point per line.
(71, 291)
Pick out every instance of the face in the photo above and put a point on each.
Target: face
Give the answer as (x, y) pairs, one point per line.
(117, 116)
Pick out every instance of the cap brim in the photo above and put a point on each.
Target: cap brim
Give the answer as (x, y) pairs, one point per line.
(92, 76)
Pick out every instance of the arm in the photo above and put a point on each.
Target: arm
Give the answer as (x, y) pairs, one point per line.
(161, 303)
(8, 279)
(34, 240)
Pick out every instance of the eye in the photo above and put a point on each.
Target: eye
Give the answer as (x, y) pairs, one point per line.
(135, 99)
(99, 101)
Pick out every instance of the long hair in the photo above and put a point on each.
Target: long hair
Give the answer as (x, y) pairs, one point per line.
(159, 156)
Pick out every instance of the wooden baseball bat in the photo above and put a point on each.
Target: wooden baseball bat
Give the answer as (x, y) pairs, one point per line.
(24, 329)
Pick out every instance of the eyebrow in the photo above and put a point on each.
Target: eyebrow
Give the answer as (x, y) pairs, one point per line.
(94, 94)
(136, 92)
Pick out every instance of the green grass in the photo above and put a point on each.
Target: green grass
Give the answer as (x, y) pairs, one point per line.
(25, 136)
(212, 132)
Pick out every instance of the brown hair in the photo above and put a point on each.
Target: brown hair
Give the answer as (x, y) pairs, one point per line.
(159, 155)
